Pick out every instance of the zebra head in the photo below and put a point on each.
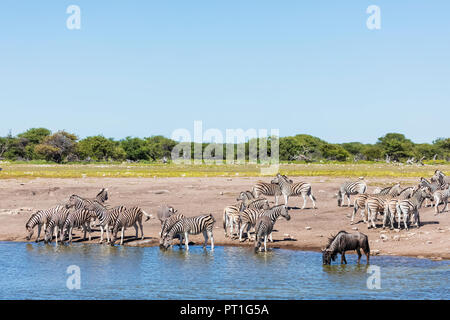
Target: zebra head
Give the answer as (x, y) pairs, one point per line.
(280, 177)
(48, 235)
(167, 242)
(30, 225)
(285, 213)
(72, 201)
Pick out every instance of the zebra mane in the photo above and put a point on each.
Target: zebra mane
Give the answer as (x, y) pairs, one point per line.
(331, 239)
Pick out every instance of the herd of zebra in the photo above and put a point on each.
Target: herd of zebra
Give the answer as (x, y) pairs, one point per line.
(395, 202)
(252, 210)
(80, 212)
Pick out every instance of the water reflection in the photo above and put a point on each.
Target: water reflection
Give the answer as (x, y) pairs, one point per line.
(31, 270)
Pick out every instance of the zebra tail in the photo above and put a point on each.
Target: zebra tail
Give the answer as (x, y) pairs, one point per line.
(225, 221)
(149, 216)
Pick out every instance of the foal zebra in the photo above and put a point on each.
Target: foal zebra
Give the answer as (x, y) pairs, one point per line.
(263, 228)
(40, 219)
(129, 217)
(106, 216)
(192, 225)
(56, 224)
(350, 188)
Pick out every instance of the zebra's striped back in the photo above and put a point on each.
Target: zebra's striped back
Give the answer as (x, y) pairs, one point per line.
(260, 203)
(277, 211)
(263, 228)
(249, 216)
(267, 189)
(78, 218)
(106, 216)
(351, 188)
(300, 188)
(192, 225)
(57, 219)
(128, 218)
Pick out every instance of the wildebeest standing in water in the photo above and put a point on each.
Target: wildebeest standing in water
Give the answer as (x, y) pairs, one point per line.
(344, 241)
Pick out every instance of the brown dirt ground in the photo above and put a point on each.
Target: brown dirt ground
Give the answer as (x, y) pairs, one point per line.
(193, 196)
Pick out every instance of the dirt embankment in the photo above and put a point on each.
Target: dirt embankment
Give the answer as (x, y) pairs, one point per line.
(308, 229)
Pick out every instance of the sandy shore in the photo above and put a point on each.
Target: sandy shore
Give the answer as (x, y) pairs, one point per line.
(308, 229)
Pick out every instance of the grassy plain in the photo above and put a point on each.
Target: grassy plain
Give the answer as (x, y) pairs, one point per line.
(12, 170)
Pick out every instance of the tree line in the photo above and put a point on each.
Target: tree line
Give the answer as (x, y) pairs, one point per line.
(63, 147)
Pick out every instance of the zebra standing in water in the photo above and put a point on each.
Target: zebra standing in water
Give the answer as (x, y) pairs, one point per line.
(263, 228)
(40, 219)
(249, 216)
(192, 225)
(350, 188)
(231, 217)
(267, 189)
(167, 225)
(56, 224)
(411, 206)
(106, 216)
(128, 218)
(78, 218)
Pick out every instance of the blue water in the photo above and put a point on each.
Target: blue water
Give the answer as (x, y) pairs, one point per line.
(38, 271)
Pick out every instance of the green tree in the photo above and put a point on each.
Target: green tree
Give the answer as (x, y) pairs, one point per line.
(396, 146)
(57, 146)
(98, 148)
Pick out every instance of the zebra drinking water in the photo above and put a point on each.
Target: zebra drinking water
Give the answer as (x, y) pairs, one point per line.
(168, 224)
(263, 228)
(40, 219)
(192, 225)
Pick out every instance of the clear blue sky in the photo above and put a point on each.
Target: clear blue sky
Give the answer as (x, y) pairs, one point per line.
(141, 68)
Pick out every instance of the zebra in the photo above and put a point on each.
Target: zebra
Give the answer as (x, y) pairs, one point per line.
(78, 218)
(267, 189)
(391, 205)
(231, 217)
(350, 188)
(128, 218)
(285, 185)
(439, 196)
(441, 177)
(303, 189)
(263, 228)
(40, 219)
(245, 196)
(374, 204)
(360, 200)
(192, 225)
(167, 225)
(260, 203)
(433, 186)
(106, 216)
(411, 206)
(56, 225)
(249, 216)
(82, 203)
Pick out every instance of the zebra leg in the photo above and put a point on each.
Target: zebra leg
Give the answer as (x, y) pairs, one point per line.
(210, 233)
(121, 236)
(70, 235)
(136, 229)
(270, 237)
(39, 232)
(405, 220)
(348, 200)
(241, 231)
(304, 201)
(186, 241)
(355, 209)
(101, 234)
(417, 217)
(56, 234)
(265, 243)
(142, 229)
(286, 198)
(205, 235)
(312, 199)
(89, 230)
